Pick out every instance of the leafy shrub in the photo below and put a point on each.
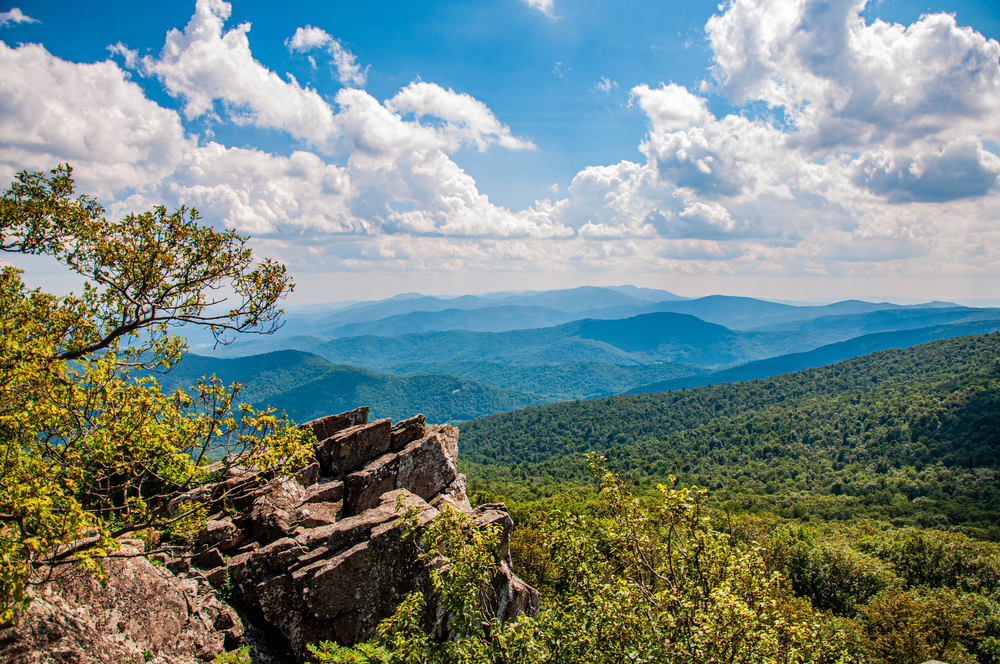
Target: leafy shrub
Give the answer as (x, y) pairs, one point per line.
(652, 582)
(909, 627)
(940, 559)
(834, 576)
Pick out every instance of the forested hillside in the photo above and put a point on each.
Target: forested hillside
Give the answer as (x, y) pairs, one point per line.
(910, 435)
(823, 355)
(560, 382)
(306, 386)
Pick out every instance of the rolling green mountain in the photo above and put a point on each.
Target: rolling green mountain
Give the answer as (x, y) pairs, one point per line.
(657, 337)
(414, 313)
(306, 386)
(575, 380)
(822, 356)
(909, 435)
(644, 339)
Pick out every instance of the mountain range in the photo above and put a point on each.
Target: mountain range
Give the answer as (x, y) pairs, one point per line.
(500, 312)
(457, 363)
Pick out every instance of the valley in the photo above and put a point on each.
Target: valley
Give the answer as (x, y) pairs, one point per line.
(465, 357)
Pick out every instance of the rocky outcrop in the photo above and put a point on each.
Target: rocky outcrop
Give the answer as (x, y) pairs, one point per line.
(143, 613)
(316, 556)
(331, 562)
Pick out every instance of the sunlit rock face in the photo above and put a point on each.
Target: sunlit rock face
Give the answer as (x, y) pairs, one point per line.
(322, 556)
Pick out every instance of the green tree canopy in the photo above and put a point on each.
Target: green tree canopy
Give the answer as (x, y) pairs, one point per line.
(91, 454)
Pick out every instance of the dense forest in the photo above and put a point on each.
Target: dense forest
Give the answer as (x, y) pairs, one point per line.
(910, 435)
(574, 380)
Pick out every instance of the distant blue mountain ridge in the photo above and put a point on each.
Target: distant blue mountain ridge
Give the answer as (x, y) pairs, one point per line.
(509, 350)
(415, 313)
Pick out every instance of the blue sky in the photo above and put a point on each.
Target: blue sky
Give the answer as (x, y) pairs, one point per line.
(775, 148)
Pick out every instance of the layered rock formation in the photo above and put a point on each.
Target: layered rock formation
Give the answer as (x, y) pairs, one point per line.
(324, 556)
(317, 556)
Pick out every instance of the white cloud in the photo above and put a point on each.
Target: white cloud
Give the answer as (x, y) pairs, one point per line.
(308, 38)
(959, 169)
(845, 84)
(468, 119)
(349, 72)
(605, 85)
(129, 55)
(15, 16)
(544, 6)
(134, 153)
(90, 115)
(670, 107)
(259, 193)
(731, 157)
(711, 216)
(202, 65)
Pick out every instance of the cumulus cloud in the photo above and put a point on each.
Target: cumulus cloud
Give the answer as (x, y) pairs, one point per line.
(871, 114)
(129, 55)
(135, 153)
(202, 64)
(670, 107)
(880, 162)
(619, 196)
(468, 119)
(15, 16)
(308, 38)
(845, 84)
(90, 115)
(712, 217)
(959, 169)
(259, 193)
(349, 72)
